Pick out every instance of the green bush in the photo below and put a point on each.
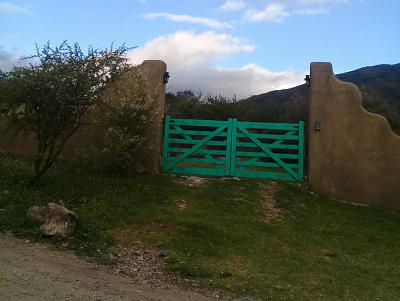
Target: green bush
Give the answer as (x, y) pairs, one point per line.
(121, 125)
(51, 97)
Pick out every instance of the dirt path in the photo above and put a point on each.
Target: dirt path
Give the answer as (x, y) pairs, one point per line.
(37, 272)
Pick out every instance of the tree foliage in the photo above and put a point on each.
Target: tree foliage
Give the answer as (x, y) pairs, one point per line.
(374, 102)
(188, 105)
(297, 109)
(51, 96)
(183, 104)
(122, 125)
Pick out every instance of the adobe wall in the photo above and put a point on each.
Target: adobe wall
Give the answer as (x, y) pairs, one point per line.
(355, 157)
(155, 70)
(154, 144)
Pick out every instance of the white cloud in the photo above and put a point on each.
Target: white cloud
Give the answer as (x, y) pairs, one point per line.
(6, 7)
(279, 10)
(322, 1)
(310, 11)
(233, 5)
(7, 36)
(243, 82)
(144, 2)
(274, 12)
(185, 49)
(8, 60)
(184, 18)
(192, 63)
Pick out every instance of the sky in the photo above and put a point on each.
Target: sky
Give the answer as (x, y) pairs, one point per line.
(236, 48)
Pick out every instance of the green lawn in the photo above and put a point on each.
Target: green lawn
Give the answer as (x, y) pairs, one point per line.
(313, 248)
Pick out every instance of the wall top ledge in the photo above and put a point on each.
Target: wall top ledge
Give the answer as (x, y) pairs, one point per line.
(321, 67)
(154, 62)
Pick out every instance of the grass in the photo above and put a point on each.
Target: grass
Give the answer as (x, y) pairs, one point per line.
(315, 249)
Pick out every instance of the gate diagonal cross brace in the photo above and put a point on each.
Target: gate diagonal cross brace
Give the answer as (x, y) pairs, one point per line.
(277, 142)
(288, 134)
(190, 139)
(268, 151)
(198, 145)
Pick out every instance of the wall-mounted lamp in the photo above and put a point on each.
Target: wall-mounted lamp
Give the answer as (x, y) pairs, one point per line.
(308, 80)
(166, 77)
(317, 126)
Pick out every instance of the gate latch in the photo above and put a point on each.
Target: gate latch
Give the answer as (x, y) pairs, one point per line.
(317, 126)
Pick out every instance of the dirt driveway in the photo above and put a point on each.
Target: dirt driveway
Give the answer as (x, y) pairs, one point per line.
(37, 272)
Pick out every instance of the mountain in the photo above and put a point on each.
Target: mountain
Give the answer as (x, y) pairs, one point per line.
(384, 79)
(381, 82)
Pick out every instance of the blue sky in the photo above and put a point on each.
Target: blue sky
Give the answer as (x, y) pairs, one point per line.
(241, 47)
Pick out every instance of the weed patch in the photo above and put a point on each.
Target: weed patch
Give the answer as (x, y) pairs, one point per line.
(268, 204)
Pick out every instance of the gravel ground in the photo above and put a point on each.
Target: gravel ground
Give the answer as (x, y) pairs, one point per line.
(39, 272)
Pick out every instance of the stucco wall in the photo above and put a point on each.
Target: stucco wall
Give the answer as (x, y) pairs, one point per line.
(355, 157)
(155, 71)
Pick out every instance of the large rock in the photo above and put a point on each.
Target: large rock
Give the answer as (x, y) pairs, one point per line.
(55, 219)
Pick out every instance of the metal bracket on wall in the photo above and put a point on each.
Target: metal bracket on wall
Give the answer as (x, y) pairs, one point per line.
(317, 126)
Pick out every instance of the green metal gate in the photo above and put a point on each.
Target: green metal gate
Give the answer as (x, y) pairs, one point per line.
(234, 148)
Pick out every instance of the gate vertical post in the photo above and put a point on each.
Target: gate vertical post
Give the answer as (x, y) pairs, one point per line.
(301, 151)
(166, 138)
(228, 154)
(233, 149)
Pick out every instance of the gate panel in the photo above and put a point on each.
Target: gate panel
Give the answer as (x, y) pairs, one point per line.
(197, 146)
(267, 150)
(233, 148)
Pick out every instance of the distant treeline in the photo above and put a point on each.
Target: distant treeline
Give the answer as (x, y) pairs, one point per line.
(188, 105)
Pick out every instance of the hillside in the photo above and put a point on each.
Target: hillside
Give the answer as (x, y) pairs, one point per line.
(379, 84)
(384, 79)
